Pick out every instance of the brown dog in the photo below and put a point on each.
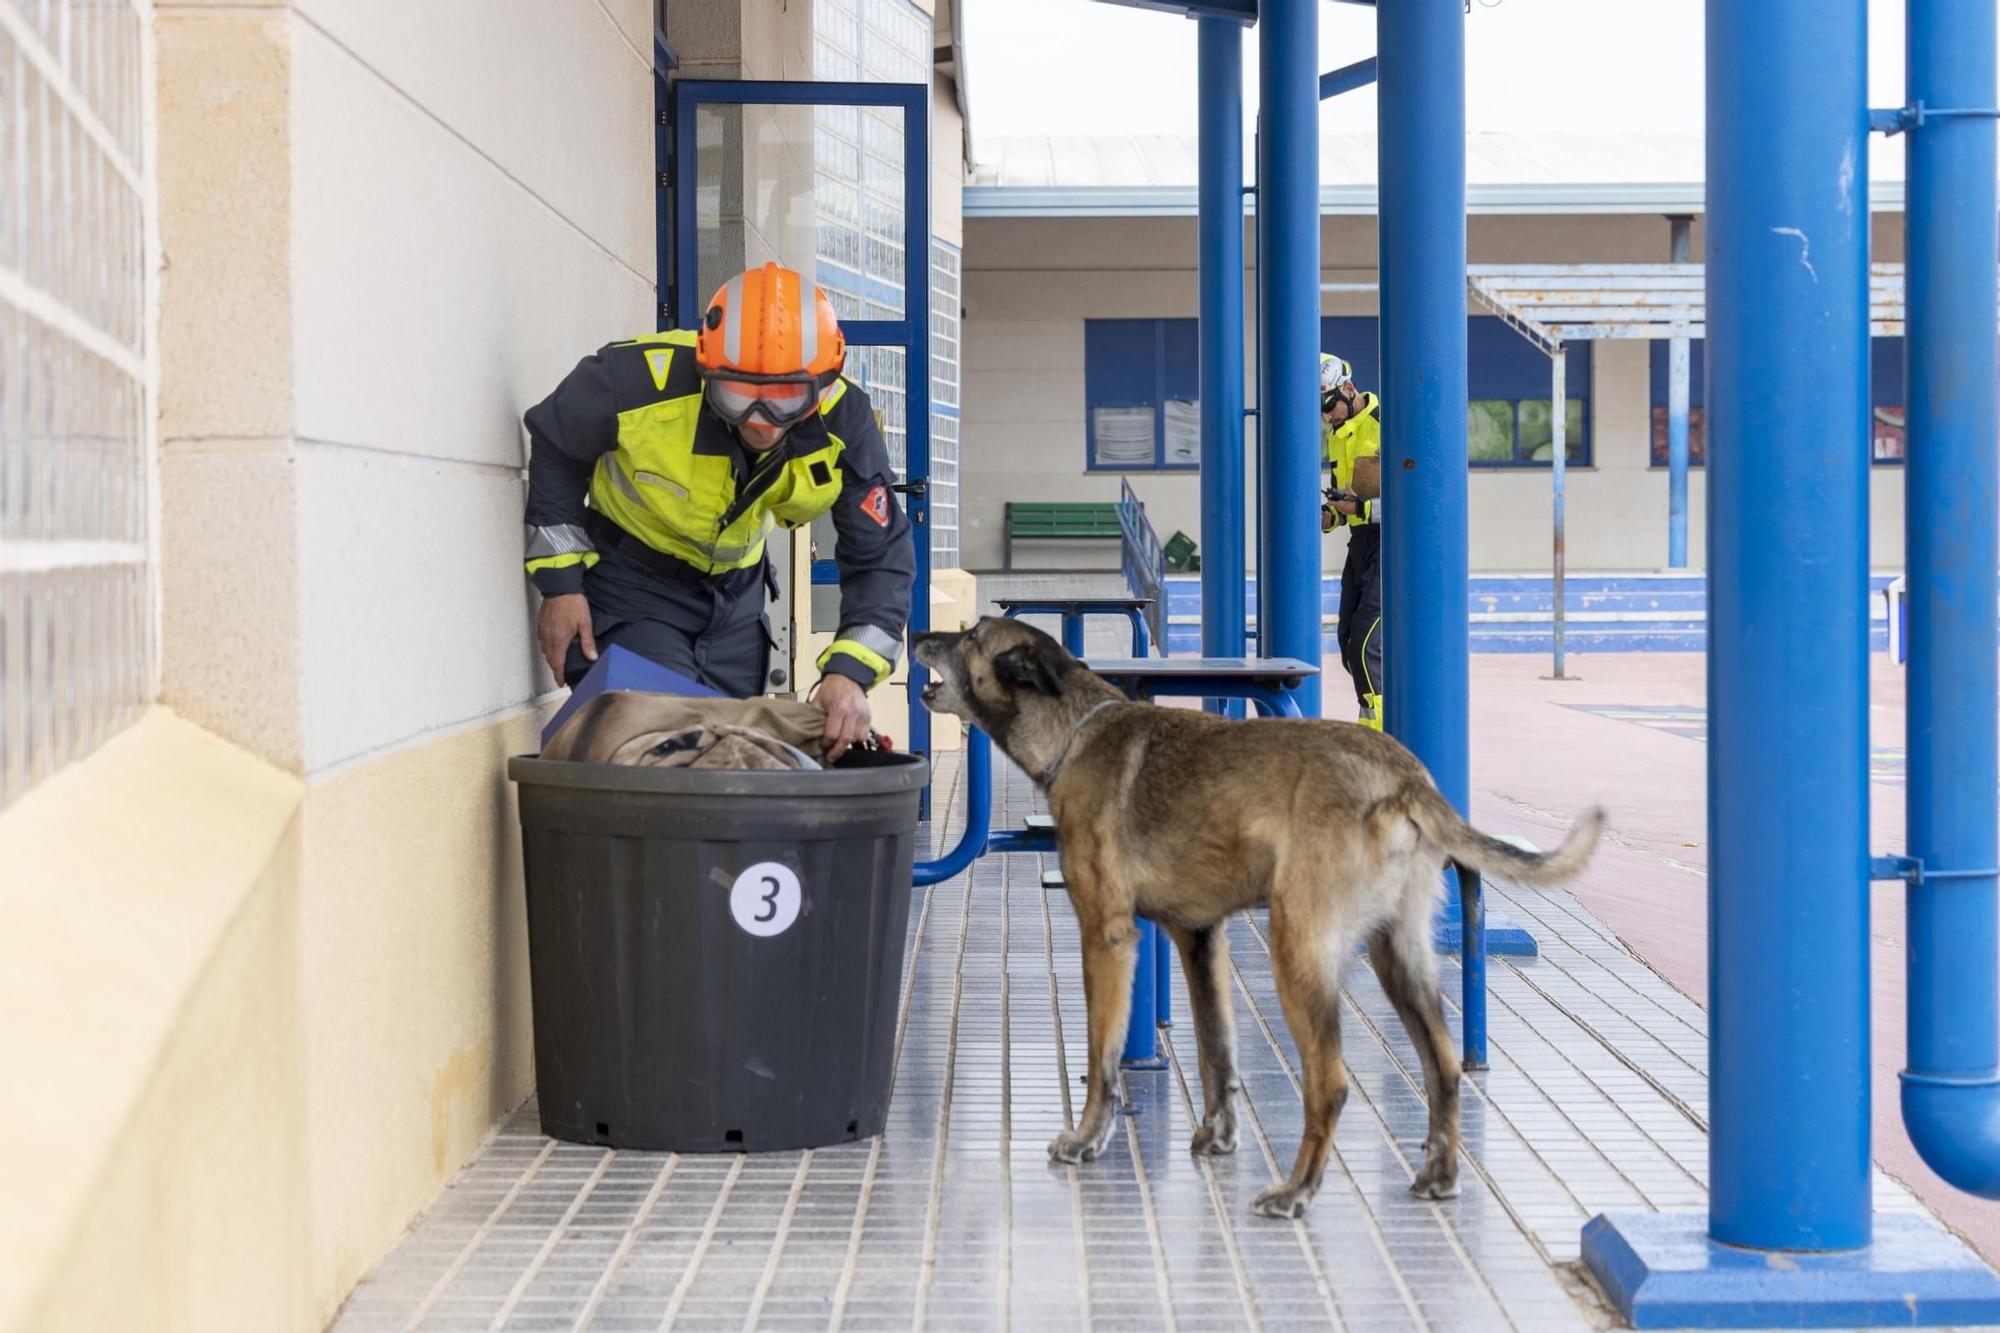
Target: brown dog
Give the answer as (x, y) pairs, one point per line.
(1184, 817)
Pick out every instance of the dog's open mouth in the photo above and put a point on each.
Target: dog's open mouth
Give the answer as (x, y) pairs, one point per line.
(929, 694)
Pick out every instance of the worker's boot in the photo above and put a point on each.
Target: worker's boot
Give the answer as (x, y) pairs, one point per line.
(1371, 713)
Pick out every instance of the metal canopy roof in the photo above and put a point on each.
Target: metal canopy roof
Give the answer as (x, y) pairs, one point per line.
(1243, 11)
(1553, 304)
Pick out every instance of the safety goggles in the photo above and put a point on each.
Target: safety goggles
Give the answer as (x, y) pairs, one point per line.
(776, 400)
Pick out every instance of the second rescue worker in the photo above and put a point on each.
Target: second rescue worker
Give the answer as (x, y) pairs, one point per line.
(1353, 430)
(691, 446)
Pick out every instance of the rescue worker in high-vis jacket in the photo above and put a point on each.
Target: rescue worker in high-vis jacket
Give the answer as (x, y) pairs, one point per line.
(1353, 429)
(689, 448)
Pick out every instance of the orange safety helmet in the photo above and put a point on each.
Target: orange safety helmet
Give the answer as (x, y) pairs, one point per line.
(769, 344)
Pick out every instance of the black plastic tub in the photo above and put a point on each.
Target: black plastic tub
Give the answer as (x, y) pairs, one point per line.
(715, 955)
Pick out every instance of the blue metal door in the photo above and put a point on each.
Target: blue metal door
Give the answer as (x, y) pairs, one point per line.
(792, 162)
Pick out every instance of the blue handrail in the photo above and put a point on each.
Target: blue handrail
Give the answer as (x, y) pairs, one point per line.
(978, 815)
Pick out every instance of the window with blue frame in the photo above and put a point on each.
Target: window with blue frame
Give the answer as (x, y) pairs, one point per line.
(1142, 401)
(1510, 421)
(1142, 392)
(1885, 357)
(1510, 417)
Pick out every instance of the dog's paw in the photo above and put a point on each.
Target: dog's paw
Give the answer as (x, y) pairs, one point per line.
(1438, 1179)
(1282, 1201)
(1215, 1138)
(1074, 1148)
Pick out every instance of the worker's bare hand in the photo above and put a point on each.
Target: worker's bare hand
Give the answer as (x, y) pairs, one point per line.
(845, 704)
(1348, 507)
(563, 621)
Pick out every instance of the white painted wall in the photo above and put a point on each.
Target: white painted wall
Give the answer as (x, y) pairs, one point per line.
(456, 247)
(1031, 284)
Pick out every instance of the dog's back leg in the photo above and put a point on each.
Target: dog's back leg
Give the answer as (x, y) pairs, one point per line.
(1306, 952)
(1400, 952)
(1205, 960)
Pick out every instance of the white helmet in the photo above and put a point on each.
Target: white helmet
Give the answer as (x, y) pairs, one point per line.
(1334, 375)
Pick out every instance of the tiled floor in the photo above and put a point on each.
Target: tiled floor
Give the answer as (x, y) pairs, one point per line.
(956, 1219)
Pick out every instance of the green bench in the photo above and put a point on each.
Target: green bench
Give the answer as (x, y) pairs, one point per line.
(1058, 521)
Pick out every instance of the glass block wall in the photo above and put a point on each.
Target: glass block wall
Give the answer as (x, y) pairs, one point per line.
(860, 256)
(944, 403)
(76, 622)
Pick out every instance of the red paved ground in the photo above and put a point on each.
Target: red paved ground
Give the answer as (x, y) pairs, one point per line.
(1536, 761)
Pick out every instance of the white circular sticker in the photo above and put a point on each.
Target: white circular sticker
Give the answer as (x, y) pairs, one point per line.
(765, 898)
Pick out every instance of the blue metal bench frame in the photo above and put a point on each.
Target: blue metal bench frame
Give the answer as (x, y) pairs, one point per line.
(1074, 609)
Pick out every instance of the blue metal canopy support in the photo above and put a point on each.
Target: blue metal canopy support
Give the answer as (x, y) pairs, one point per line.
(1347, 78)
(1424, 464)
(1788, 637)
(1234, 11)
(1220, 80)
(1790, 1237)
(1677, 419)
(1951, 1090)
(1288, 302)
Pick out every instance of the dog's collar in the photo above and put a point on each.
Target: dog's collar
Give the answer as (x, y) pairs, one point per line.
(1049, 773)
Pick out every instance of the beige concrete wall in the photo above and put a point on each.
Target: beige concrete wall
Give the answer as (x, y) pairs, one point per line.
(155, 1175)
(947, 165)
(305, 1004)
(293, 998)
(1031, 283)
(294, 993)
(412, 983)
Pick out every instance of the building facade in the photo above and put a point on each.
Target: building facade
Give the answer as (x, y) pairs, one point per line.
(1080, 319)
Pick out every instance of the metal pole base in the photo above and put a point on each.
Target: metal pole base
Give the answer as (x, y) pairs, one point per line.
(1563, 676)
(1660, 1270)
(1504, 936)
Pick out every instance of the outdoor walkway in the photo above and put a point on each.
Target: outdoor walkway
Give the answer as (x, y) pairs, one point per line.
(1631, 733)
(956, 1219)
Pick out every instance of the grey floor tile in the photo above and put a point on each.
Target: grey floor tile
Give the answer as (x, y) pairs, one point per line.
(1594, 1100)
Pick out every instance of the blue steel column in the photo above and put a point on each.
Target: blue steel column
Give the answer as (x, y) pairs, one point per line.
(1420, 45)
(1222, 575)
(1787, 425)
(1256, 413)
(1950, 1102)
(1142, 1037)
(1677, 420)
(1288, 569)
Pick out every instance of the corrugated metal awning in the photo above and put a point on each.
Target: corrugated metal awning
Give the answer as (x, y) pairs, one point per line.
(1553, 304)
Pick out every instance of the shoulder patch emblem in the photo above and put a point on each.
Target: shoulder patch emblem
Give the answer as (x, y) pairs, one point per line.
(875, 504)
(657, 361)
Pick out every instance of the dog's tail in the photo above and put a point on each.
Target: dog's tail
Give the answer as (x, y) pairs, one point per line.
(1435, 818)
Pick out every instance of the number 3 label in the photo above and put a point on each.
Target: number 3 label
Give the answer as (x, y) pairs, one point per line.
(765, 898)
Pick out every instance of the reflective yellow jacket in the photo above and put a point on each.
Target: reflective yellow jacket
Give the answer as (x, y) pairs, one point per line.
(1360, 436)
(629, 429)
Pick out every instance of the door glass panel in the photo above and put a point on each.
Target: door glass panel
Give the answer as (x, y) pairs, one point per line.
(820, 189)
(754, 196)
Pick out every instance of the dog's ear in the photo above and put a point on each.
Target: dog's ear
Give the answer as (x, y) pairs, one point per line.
(1028, 668)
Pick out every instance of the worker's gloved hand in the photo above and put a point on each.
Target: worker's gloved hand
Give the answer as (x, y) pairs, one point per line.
(845, 704)
(563, 621)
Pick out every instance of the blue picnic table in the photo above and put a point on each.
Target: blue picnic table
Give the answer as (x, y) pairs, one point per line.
(1072, 610)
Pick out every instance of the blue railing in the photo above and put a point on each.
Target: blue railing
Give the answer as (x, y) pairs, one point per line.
(1142, 560)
